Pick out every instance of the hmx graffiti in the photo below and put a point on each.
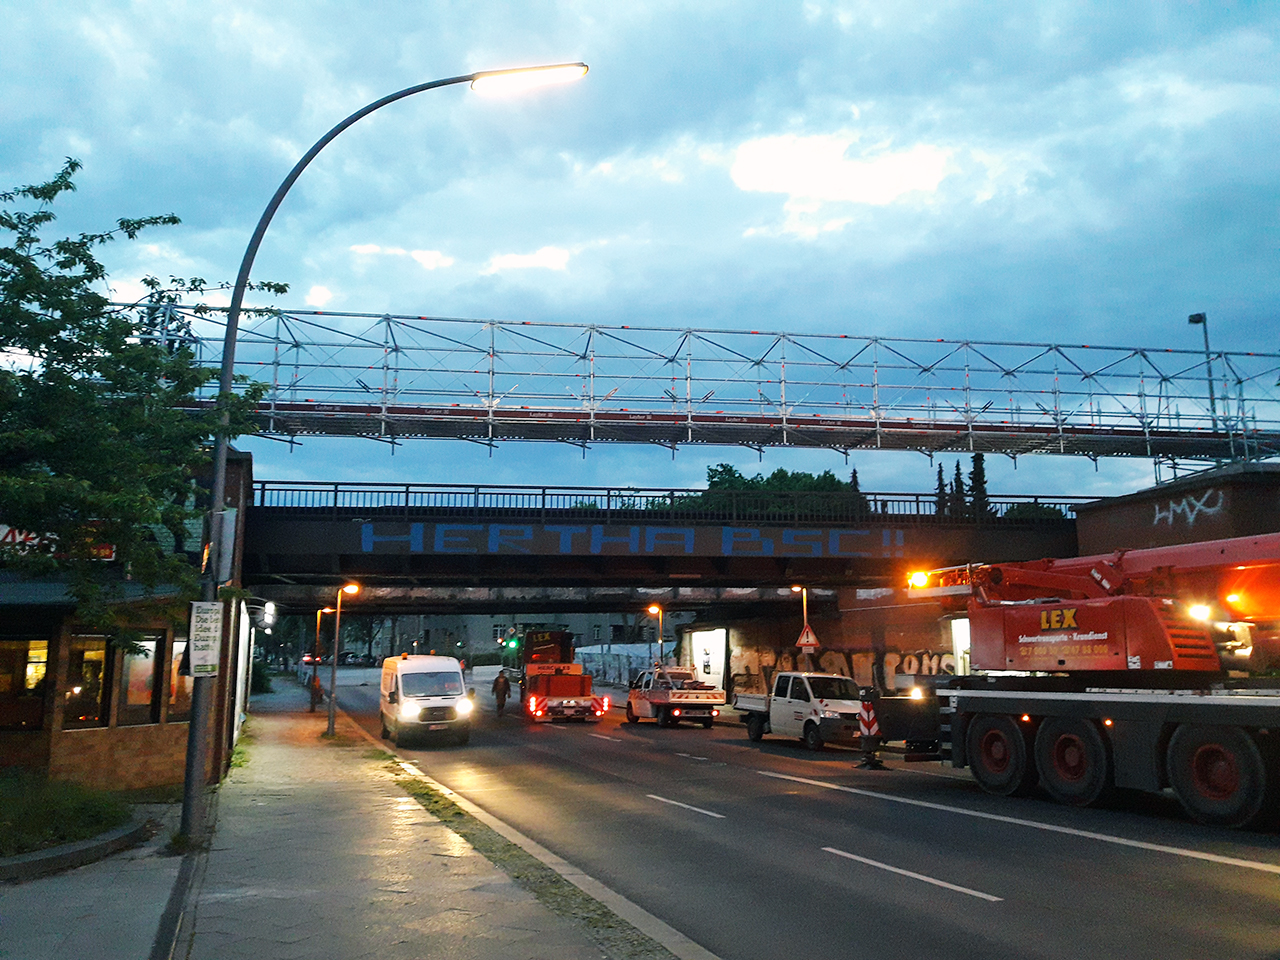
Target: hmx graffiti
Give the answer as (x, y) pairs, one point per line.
(1191, 507)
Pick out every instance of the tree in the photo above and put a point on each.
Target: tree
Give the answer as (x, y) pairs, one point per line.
(862, 506)
(940, 502)
(957, 503)
(98, 444)
(979, 501)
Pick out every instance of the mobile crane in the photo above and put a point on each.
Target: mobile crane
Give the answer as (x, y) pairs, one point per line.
(1126, 670)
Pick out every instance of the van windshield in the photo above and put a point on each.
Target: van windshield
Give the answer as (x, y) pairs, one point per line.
(431, 684)
(834, 688)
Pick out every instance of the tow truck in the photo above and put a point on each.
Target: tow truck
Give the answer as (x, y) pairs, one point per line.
(552, 686)
(671, 694)
(1125, 670)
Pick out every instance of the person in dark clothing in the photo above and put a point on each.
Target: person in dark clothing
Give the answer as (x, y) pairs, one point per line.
(501, 690)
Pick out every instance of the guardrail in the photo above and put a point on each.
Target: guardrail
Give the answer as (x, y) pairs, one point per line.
(320, 500)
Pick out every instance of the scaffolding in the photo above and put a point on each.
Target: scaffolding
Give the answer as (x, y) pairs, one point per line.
(392, 378)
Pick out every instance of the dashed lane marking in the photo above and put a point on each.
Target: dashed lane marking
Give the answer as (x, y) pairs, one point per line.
(601, 736)
(1037, 825)
(690, 756)
(677, 803)
(914, 876)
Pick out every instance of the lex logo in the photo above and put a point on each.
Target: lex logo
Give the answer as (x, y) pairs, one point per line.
(1058, 619)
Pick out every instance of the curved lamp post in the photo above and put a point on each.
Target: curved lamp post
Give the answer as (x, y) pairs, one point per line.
(484, 81)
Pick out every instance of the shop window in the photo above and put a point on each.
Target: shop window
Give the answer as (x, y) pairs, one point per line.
(139, 693)
(179, 685)
(23, 665)
(88, 676)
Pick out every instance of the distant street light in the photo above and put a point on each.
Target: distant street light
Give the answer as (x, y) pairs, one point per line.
(1202, 321)
(655, 610)
(315, 657)
(350, 590)
(484, 81)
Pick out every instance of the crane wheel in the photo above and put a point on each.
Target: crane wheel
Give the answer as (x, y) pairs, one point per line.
(1072, 760)
(1218, 774)
(998, 755)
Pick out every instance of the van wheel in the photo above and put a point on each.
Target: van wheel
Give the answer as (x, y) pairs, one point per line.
(755, 728)
(385, 734)
(631, 714)
(812, 737)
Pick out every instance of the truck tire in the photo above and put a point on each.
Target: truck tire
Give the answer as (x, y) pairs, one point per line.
(665, 719)
(998, 756)
(1073, 760)
(631, 714)
(812, 736)
(706, 724)
(1218, 774)
(755, 728)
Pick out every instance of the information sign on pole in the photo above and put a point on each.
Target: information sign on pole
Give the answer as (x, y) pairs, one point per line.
(205, 637)
(808, 639)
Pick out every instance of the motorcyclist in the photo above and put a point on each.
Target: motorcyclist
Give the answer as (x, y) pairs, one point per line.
(501, 690)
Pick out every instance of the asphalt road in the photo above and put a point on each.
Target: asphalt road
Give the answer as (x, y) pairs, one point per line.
(770, 852)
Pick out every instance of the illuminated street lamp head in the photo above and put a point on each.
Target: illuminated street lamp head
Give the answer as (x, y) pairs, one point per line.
(502, 82)
(326, 610)
(796, 588)
(654, 609)
(351, 589)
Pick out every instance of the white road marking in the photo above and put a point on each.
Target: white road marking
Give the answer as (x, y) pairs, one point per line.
(677, 803)
(1037, 825)
(601, 736)
(552, 726)
(914, 876)
(690, 756)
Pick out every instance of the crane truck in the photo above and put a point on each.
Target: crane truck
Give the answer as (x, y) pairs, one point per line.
(552, 686)
(1127, 670)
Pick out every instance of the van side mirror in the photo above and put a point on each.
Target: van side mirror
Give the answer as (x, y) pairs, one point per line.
(471, 693)
(393, 697)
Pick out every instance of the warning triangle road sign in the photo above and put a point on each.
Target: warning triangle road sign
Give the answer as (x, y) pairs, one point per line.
(807, 638)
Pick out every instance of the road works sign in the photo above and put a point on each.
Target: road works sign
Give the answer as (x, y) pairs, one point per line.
(808, 639)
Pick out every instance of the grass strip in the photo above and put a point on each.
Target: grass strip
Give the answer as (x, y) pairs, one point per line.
(36, 813)
(616, 937)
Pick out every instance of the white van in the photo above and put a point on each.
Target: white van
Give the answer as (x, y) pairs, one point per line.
(424, 696)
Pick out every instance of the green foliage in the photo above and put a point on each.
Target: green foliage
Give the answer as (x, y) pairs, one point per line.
(39, 813)
(979, 501)
(260, 677)
(1034, 511)
(98, 444)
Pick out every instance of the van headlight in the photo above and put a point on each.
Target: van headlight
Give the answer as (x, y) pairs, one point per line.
(408, 710)
(464, 707)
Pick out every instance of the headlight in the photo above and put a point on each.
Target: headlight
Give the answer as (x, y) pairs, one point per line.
(831, 714)
(464, 707)
(408, 710)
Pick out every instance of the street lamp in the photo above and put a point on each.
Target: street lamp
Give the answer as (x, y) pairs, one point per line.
(807, 640)
(1201, 320)
(655, 610)
(484, 81)
(315, 658)
(350, 590)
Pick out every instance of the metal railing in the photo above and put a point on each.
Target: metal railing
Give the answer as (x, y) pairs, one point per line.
(543, 504)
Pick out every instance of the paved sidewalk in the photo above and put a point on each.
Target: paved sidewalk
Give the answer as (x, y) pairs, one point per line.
(108, 910)
(319, 855)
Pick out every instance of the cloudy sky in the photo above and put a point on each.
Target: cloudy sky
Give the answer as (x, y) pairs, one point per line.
(1023, 171)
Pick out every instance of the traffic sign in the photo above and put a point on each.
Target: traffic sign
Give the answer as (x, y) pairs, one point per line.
(808, 638)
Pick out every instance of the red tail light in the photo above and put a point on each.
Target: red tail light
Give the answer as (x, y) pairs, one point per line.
(715, 713)
(675, 713)
(606, 703)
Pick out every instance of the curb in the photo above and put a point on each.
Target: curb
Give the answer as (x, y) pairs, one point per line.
(41, 863)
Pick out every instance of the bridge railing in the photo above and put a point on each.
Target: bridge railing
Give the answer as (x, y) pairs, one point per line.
(637, 504)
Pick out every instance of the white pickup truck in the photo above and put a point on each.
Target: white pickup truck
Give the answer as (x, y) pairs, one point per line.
(672, 694)
(816, 707)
